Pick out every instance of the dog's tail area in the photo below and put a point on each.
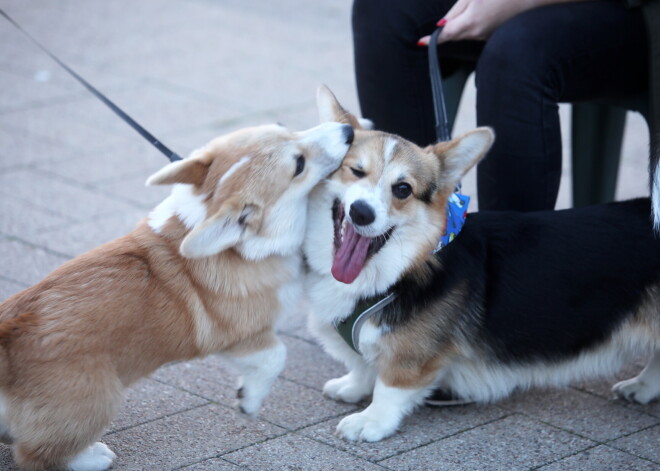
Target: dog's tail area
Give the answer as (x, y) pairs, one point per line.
(10, 329)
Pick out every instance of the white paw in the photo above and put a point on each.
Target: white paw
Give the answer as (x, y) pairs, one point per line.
(636, 390)
(345, 389)
(97, 457)
(363, 427)
(248, 402)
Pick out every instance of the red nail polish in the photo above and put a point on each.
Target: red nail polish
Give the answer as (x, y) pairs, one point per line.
(421, 43)
(442, 22)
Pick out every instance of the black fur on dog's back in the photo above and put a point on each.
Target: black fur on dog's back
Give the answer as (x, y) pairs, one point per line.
(537, 286)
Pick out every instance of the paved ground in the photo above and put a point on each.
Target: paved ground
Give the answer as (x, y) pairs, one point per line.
(71, 177)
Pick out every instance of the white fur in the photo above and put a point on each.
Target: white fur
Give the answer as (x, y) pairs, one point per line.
(97, 457)
(388, 152)
(645, 387)
(183, 203)
(259, 371)
(383, 416)
(233, 169)
(475, 379)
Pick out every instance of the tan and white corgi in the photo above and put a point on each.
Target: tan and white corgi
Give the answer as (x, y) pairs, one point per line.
(208, 271)
(517, 300)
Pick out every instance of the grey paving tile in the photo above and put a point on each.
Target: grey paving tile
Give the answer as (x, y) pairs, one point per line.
(643, 444)
(294, 406)
(21, 93)
(601, 458)
(18, 218)
(217, 464)
(18, 149)
(131, 158)
(74, 123)
(307, 454)
(513, 443)
(148, 400)
(187, 438)
(75, 238)
(25, 264)
(308, 364)
(61, 198)
(210, 377)
(424, 426)
(581, 413)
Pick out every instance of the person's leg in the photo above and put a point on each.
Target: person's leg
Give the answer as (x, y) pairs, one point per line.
(392, 71)
(561, 53)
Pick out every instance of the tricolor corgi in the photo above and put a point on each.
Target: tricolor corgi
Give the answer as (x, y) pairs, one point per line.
(515, 301)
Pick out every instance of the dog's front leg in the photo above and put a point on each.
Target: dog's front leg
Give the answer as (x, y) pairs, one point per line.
(259, 371)
(382, 418)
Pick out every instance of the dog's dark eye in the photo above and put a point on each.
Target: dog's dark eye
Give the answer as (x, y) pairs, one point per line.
(358, 173)
(300, 165)
(401, 190)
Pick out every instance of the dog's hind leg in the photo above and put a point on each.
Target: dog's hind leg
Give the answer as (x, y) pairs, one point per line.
(259, 370)
(55, 422)
(643, 388)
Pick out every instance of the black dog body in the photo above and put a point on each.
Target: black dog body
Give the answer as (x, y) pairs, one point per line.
(525, 299)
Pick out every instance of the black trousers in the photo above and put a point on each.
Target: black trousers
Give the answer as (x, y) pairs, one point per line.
(568, 52)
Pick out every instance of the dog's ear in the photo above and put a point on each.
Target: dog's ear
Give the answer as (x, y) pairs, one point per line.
(330, 110)
(192, 170)
(459, 155)
(231, 224)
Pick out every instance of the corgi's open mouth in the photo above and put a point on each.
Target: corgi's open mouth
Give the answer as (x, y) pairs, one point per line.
(351, 249)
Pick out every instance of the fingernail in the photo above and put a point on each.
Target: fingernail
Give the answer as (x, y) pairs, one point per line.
(442, 22)
(422, 42)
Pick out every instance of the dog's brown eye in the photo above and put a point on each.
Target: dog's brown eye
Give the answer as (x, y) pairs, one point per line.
(358, 173)
(300, 165)
(401, 190)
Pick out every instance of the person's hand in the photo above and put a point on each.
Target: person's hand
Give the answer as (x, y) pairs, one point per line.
(477, 19)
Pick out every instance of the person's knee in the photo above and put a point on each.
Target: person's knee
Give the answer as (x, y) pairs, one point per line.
(516, 53)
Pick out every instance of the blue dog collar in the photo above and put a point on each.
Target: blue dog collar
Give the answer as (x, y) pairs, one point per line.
(457, 207)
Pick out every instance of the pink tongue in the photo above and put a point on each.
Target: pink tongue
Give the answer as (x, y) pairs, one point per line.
(351, 255)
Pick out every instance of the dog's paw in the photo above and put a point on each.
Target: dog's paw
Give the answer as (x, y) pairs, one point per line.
(97, 457)
(363, 427)
(636, 390)
(248, 404)
(345, 389)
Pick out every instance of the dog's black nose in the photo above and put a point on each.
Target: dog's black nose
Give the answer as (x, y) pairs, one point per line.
(349, 134)
(361, 213)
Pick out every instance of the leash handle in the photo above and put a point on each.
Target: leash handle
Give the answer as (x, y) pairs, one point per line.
(442, 132)
(171, 155)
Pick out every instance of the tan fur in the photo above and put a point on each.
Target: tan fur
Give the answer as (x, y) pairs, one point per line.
(70, 344)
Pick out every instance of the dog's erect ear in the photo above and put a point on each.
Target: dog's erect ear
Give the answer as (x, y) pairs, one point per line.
(459, 155)
(192, 170)
(231, 224)
(330, 110)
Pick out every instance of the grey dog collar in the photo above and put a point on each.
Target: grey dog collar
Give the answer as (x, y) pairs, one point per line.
(350, 328)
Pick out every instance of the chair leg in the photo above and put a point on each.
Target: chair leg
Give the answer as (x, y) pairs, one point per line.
(597, 134)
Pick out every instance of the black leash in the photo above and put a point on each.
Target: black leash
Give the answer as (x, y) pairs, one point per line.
(172, 156)
(442, 132)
